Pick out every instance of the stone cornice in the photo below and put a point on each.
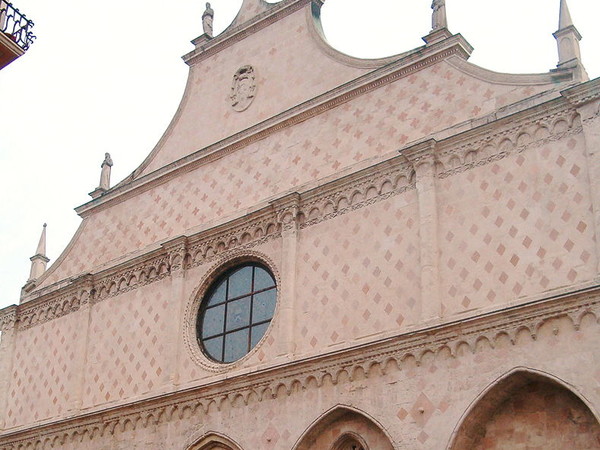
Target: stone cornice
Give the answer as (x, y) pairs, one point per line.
(419, 347)
(513, 134)
(521, 79)
(342, 195)
(583, 93)
(332, 197)
(420, 153)
(315, 28)
(238, 33)
(454, 46)
(8, 318)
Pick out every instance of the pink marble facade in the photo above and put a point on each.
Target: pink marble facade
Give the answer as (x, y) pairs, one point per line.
(432, 227)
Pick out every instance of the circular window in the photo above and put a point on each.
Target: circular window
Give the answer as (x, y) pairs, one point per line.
(236, 312)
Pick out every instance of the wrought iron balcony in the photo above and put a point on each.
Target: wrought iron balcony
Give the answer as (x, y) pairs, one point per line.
(15, 25)
(15, 33)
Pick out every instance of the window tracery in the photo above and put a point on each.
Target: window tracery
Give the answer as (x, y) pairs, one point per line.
(236, 312)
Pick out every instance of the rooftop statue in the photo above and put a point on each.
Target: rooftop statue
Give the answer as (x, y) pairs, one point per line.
(207, 20)
(105, 174)
(438, 19)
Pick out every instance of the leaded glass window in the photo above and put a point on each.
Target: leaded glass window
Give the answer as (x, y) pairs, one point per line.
(236, 312)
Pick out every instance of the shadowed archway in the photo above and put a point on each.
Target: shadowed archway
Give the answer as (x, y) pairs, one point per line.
(524, 410)
(350, 441)
(214, 441)
(344, 428)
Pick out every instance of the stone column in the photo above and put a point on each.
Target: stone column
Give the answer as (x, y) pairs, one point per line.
(83, 317)
(421, 156)
(288, 208)
(7, 353)
(176, 250)
(588, 107)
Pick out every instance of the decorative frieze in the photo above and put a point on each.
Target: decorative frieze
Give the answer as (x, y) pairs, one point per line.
(455, 47)
(484, 148)
(8, 318)
(583, 93)
(43, 310)
(340, 196)
(417, 349)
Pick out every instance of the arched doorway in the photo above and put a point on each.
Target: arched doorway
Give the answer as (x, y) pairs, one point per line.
(214, 441)
(344, 428)
(528, 410)
(350, 441)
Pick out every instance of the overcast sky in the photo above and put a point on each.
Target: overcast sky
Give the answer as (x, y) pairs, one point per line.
(107, 76)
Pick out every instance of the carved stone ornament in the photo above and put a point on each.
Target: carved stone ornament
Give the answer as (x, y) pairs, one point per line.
(243, 88)
(228, 260)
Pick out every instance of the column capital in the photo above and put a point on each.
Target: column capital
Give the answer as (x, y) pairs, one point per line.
(287, 209)
(422, 153)
(176, 250)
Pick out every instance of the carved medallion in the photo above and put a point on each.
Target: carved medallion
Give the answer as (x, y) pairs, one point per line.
(243, 88)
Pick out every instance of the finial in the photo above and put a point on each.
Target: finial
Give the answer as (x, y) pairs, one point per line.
(567, 38)
(564, 19)
(207, 20)
(39, 260)
(105, 174)
(41, 248)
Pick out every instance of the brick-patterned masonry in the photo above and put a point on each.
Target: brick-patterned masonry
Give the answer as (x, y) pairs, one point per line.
(432, 227)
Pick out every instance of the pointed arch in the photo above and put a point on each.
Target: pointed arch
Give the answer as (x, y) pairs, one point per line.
(350, 441)
(214, 441)
(524, 406)
(344, 426)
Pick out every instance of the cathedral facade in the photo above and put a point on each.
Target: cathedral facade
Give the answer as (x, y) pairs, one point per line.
(329, 253)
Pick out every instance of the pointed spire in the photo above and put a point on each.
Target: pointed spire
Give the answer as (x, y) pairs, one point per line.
(39, 260)
(41, 248)
(564, 20)
(567, 38)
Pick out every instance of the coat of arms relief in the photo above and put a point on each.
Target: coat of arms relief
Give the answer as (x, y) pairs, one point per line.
(243, 88)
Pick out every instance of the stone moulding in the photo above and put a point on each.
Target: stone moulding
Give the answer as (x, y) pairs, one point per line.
(240, 32)
(193, 304)
(521, 79)
(344, 195)
(454, 49)
(416, 349)
(520, 137)
(504, 384)
(315, 28)
(133, 185)
(203, 440)
(583, 93)
(354, 190)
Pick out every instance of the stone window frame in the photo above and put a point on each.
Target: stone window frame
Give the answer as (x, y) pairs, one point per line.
(222, 308)
(192, 308)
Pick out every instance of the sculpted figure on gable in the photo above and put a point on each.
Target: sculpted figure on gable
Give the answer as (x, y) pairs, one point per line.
(439, 19)
(207, 20)
(105, 174)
